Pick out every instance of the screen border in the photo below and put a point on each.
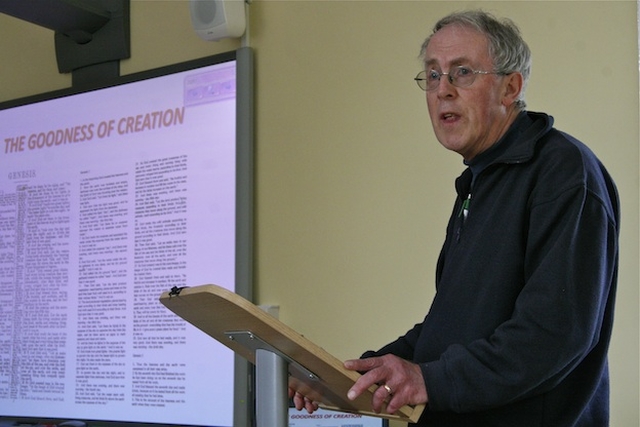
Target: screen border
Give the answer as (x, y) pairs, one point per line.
(243, 410)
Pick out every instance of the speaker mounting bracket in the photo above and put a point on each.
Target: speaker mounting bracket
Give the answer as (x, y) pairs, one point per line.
(91, 36)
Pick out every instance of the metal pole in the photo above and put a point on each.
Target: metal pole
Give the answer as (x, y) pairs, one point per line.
(271, 390)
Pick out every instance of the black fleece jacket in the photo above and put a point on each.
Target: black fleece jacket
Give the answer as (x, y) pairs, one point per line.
(518, 331)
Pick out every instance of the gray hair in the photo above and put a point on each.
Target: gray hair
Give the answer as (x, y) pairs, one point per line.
(507, 49)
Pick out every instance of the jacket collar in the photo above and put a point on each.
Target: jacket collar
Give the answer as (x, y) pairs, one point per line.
(517, 145)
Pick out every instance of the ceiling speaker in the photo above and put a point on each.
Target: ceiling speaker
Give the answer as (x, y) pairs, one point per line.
(218, 19)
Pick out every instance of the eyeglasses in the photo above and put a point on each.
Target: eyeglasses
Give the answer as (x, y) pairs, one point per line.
(459, 77)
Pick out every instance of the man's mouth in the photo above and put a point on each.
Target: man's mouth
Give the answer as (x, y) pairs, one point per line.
(449, 117)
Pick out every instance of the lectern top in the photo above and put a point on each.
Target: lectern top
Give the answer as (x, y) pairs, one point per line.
(244, 328)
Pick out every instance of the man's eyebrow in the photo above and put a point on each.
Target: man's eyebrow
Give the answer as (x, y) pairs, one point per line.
(456, 62)
(430, 63)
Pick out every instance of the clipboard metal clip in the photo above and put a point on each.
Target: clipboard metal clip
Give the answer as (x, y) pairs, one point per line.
(175, 291)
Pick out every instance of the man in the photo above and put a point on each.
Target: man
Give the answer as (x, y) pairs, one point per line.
(518, 332)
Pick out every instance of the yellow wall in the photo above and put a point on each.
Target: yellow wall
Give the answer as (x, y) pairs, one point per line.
(352, 189)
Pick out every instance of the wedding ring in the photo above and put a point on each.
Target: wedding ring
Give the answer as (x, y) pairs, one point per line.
(386, 387)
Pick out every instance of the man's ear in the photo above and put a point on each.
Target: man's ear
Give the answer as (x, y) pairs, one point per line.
(513, 84)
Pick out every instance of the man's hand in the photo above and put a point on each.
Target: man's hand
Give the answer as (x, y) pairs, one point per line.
(400, 382)
(302, 402)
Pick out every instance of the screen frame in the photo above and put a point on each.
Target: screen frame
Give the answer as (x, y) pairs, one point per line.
(243, 410)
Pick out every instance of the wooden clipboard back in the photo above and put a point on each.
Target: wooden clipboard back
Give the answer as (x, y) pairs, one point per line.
(243, 327)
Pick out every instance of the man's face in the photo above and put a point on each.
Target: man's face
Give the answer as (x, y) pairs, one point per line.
(466, 120)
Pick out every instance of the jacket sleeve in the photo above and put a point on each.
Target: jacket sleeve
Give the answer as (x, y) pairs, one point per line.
(402, 347)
